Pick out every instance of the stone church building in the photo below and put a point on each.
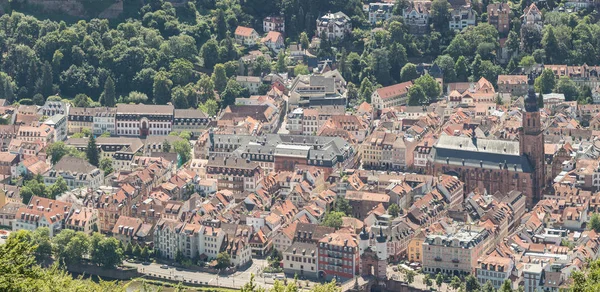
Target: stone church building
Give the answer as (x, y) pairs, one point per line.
(497, 165)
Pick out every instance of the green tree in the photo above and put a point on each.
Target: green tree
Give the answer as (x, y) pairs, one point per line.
(476, 67)
(301, 69)
(184, 149)
(410, 276)
(45, 83)
(471, 283)
(106, 166)
(210, 107)
(380, 64)
(333, 219)
(206, 88)
(394, 210)
(59, 187)
(43, 247)
(594, 223)
(7, 87)
(427, 280)
(506, 286)
(129, 249)
(221, 24)
(261, 66)
(527, 62)
(446, 63)
(343, 205)
(19, 271)
(439, 280)
(182, 71)
(366, 90)
(210, 53)
(512, 43)
(440, 14)
(398, 58)
(70, 246)
(166, 146)
(136, 97)
(108, 97)
(408, 72)
(304, 41)
(461, 69)
(145, 255)
(455, 283)
(550, 45)
(281, 65)
(567, 87)
(92, 151)
(107, 254)
(545, 82)
(219, 77)
(56, 151)
(223, 260)
(416, 95)
(430, 86)
(490, 71)
(161, 89)
(82, 100)
(488, 287)
(352, 93)
(137, 251)
(185, 135)
(232, 91)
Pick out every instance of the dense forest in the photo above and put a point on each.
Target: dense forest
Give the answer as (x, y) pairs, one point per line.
(184, 54)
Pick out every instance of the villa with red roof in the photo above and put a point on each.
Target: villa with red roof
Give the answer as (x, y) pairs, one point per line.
(389, 96)
(274, 41)
(246, 36)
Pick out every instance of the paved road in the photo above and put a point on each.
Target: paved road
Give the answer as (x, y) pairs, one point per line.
(236, 280)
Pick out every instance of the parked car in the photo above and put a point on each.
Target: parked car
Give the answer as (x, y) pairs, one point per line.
(164, 267)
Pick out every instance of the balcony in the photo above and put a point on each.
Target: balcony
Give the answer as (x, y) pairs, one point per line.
(456, 261)
(438, 259)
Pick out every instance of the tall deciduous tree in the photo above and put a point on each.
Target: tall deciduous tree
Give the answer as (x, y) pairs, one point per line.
(409, 72)
(416, 95)
(430, 86)
(440, 14)
(161, 89)
(107, 253)
(545, 82)
(366, 90)
(333, 219)
(461, 69)
(219, 77)
(210, 53)
(380, 64)
(44, 84)
(232, 91)
(206, 88)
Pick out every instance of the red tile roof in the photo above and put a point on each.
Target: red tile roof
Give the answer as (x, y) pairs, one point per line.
(243, 31)
(394, 90)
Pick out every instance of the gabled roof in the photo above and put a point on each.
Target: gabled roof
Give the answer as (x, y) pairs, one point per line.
(244, 31)
(272, 36)
(394, 90)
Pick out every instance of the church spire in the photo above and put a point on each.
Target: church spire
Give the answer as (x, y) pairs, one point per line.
(531, 104)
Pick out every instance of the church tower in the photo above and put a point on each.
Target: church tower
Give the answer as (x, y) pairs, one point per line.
(532, 142)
